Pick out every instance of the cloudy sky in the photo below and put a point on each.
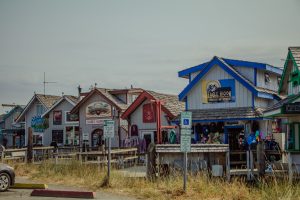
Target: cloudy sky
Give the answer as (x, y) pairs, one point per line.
(118, 43)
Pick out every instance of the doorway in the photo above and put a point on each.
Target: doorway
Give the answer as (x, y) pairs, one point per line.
(148, 136)
(97, 137)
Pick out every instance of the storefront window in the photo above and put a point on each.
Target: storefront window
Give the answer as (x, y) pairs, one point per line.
(38, 139)
(58, 136)
(72, 135)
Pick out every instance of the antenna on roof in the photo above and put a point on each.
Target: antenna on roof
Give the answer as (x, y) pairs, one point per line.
(46, 82)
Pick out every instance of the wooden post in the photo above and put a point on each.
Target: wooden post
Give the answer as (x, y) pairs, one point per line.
(30, 146)
(260, 153)
(248, 166)
(228, 165)
(290, 163)
(251, 164)
(151, 161)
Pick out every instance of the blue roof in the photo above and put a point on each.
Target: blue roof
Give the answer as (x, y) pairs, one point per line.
(236, 63)
(230, 70)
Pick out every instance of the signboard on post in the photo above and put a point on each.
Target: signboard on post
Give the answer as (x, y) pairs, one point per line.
(109, 129)
(185, 140)
(186, 120)
(85, 136)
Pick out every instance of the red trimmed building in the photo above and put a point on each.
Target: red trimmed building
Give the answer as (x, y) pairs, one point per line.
(151, 113)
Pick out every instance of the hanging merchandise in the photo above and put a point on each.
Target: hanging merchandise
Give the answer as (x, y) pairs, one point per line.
(134, 130)
(205, 130)
(172, 137)
(220, 127)
(213, 127)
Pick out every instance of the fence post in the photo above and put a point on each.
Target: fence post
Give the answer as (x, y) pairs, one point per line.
(151, 161)
(228, 165)
(260, 153)
(29, 146)
(290, 163)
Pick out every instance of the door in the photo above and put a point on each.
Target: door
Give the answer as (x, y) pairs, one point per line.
(149, 138)
(97, 137)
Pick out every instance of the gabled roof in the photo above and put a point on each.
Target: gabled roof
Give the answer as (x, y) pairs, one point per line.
(233, 63)
(105, 93)
(170, 104)
(69, 98)
(21, 107)
(46, 100)
(260, 92)
(294, 57)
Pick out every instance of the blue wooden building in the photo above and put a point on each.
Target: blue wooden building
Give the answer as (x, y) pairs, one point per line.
(227, 97)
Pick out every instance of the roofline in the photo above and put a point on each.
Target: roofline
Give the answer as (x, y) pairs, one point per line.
(57, 103)
(237, 63)
(139, 100)
(10, 112)
(125, 91)
(76, 108)
(27, 106)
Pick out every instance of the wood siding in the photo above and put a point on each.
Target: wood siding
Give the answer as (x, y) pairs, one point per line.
(243, 95)
(273, 85)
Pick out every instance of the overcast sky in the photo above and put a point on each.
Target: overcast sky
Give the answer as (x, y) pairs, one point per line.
(118, 43)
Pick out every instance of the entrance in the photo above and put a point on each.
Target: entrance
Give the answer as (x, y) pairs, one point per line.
(149, 137)
(97, 137)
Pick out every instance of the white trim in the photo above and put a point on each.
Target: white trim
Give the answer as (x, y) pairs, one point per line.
(143, 133)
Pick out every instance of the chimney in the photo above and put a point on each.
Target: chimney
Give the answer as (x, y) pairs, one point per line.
(79, 91)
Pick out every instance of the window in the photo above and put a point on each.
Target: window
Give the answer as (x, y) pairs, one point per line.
(39, 109)
(58, 136)
(37, 139)
(57, 117)
(267, 78)
(72, 135)
(69, 118)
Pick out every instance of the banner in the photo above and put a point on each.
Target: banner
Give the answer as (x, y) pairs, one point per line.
(98, 109)
(217, 91)
(149, 113)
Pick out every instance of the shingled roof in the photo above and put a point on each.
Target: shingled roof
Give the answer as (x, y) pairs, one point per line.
(227, 114)
(296, 54)
(47, 100)
(170, 101)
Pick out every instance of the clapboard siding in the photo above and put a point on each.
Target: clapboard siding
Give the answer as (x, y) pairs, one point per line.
(273, 85)
(247, 72)
(243, 95)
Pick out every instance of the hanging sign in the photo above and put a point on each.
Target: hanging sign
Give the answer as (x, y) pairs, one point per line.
(39, 124)
(291, 108)
(218, 91)
(149, 113)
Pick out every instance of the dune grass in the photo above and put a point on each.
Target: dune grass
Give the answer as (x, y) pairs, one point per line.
(200, 186)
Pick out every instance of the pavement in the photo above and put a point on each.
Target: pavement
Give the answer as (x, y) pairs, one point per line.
(24, 194)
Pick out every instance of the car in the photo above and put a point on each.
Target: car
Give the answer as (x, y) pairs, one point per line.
(7, 177)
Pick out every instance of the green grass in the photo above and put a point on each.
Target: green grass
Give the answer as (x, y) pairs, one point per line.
(200, 186)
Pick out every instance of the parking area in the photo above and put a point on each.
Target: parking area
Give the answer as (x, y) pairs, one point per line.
(24, 194)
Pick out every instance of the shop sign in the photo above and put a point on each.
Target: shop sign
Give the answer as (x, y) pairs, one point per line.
(98, 109)
(95, 121)
(218, 91)
(85, 136)
(149, 113)
(39, 124)
(291, 108)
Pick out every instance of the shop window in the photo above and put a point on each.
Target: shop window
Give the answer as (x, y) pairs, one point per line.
(267, 78)
(58, 136)
(57, 117)
(37, 139)
(71, 117)
(72, 135)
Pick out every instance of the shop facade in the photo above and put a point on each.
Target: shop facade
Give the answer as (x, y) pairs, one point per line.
(63, 126)
(288, 110)
(102, 104)
(12, 133)
(227, 98)
(146, 119)
(31, 116)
